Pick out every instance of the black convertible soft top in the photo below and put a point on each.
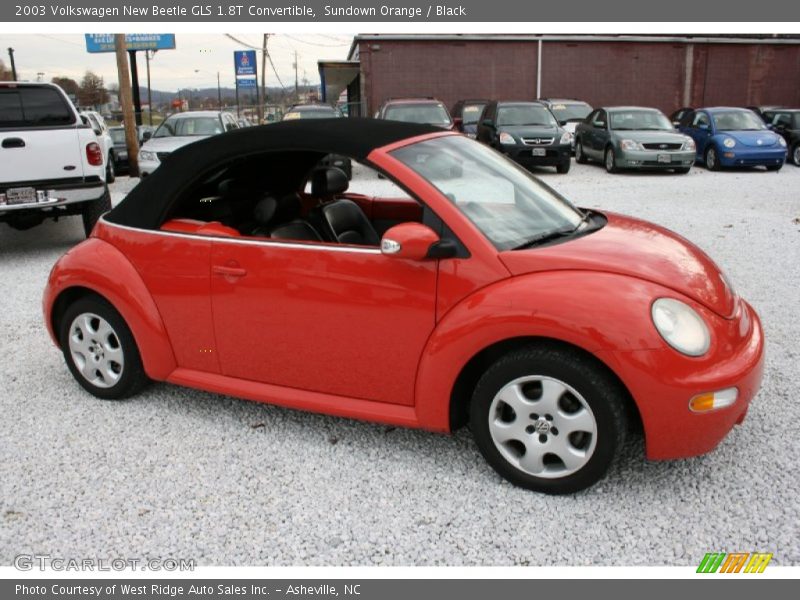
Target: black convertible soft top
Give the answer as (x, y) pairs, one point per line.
(146, 205)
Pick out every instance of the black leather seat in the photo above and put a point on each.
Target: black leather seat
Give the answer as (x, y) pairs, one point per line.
(339, 220)
(279, 219)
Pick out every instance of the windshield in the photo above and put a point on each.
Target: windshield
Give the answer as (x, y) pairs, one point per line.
(524, 114)
(180, 126)
(431, 114)
(118, 135)
(738, 120)
(471, 113)
(317, 113)
(640, 120)
(571, 112)
(507, 204)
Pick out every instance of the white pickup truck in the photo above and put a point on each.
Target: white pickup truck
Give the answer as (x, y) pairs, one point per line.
(51, 165)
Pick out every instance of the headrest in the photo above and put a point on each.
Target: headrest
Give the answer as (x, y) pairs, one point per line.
(327, 181)
(265, 209)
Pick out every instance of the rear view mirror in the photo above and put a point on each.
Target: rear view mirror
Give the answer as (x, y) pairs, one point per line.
(412, 241)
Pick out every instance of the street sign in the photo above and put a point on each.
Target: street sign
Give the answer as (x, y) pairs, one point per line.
(246, 82)
(104, 42)
(244, 62)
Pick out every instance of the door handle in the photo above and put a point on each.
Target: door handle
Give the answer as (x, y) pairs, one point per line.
(13, 142)
(228, 271)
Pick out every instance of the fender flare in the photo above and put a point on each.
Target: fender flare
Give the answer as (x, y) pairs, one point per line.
(102, 269)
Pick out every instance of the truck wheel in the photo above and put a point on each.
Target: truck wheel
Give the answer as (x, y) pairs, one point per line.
(111, 173)
(100, 350)
(548, 419)
(94, 209)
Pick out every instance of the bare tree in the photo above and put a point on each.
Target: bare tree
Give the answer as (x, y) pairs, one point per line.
(70, 86)
(92, 90)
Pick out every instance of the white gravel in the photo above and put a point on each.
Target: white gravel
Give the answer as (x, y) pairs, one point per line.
(180, 473)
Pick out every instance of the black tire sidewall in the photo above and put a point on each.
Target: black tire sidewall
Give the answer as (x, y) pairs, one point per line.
(93, 210)
(715, 165)
(597, 389)
(580, 154)
(132, 372)
(791, 154)
(613, 168)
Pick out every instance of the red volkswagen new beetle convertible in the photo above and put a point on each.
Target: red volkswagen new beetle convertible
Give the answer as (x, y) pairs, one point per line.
(242, 266)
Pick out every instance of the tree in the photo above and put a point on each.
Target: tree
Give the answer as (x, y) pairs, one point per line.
(70, 86)
(92, 91)
(5, 72)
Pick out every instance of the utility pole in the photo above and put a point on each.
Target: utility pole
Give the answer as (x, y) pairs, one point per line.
(296, 87)
(126, 100)
(263, 98)
(148, 57)
(13, 64)
(219, 94)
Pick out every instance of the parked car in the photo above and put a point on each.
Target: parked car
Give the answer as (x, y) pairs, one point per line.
(98, 125)
(733, 137)
(491, 299)
(526, 132)
(178, 130)
(760, 110)
(428, 111)
(676, 117)
(568, 113)
(633, 137)
(786, 123)
(51, 163)
(466, 114)
(121, 163)
(322, 111)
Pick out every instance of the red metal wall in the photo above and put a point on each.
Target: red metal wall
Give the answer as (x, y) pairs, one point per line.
(602, 73)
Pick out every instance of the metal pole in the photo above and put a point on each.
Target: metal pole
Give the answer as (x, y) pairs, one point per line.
(13, 64)
(237, 97)
(219, 93)
(539, 71)
(149, 94)
(137, 102)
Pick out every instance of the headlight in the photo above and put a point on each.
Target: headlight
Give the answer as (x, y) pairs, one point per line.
(729, 142)
(507, 138)
(630, 145)
(680, 326)
(147, 156)
(688, 144)
(782, 142)
(567, 138)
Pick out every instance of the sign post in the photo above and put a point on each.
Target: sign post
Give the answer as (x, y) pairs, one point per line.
(244, 65)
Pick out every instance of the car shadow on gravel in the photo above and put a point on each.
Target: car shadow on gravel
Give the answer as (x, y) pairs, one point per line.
(56, 236)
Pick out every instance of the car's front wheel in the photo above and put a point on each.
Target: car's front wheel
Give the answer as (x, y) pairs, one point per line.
(711, 159)
(611, 160)
(548, 419)
(580, 155)
(794, 155)
(563, 168)
(111, 172)
(100, 350)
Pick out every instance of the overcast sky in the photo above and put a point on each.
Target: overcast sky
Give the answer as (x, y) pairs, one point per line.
(65, 55)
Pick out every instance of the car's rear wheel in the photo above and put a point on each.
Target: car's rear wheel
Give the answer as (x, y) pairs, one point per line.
(580, 155)
(100, 350)
(794, 155)
(611, 160)
(92, 211)
(548, 419)
(111, 173)
(711, 159)
(563, 168)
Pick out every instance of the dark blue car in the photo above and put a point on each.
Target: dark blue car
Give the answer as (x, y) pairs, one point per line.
(733, 137)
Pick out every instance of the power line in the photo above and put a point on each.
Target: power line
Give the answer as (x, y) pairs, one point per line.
(50, 37)
(314, 43)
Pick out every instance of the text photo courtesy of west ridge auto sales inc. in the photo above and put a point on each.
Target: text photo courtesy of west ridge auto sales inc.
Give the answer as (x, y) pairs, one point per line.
(341, 298)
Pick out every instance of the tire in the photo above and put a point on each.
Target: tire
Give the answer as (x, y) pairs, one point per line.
(569, 386)
(111, 170)
(100, 350)
(580, 155)
(563, 168)
(610, 160)
(683, 170)
(794, 155)
(710, 159)
(93, 210)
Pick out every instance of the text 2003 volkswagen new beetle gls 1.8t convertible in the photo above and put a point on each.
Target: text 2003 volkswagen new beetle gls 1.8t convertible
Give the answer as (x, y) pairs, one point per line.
(482, 297)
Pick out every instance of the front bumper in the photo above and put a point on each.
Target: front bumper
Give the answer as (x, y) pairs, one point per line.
(662, 381)
(750, 157)
(554, 154)
(655, 159)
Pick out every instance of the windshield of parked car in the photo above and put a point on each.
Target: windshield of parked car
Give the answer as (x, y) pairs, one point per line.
(524, 114)
(180, 126)
(429, 113)
(505, 202)
(738, 120)
(316, 113)
(577, 111)
(118, 135)
(642, 120)
(471, 113)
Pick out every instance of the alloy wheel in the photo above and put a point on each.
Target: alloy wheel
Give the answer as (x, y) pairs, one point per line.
(96, 350)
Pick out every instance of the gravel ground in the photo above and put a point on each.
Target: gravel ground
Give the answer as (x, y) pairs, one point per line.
(180, 473)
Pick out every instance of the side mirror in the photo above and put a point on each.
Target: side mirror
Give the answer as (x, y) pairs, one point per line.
(458, 122)
(412, 241)
(703, 126)
(562, 123)
(147, 135)
(98, 132)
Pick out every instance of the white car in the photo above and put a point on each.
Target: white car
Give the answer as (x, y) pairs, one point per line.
(98, 124)
(178, 130)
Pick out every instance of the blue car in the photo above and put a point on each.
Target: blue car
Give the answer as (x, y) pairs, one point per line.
(733, 137)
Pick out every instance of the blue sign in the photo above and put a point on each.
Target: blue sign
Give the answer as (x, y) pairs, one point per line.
(104, 42)
(246, 82)
(244, 61)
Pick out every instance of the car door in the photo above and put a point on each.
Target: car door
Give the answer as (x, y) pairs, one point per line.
(342, 320)
(700, 131)
(599, 134)
(486, 128)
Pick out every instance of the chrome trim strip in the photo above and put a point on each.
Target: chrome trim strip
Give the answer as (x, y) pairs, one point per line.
(247, 241)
